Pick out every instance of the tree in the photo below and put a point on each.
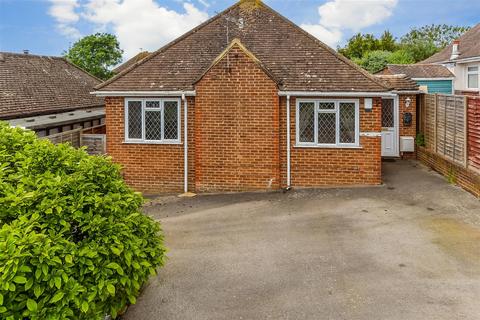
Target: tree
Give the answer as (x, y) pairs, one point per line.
(420, 49)
(440, 35)
(401, 56)
(374, 61)
(96, 54)
(358, 45)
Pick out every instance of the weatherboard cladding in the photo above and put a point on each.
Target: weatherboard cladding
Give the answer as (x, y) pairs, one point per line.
(437, 86)
(32, 85)
(297, 60)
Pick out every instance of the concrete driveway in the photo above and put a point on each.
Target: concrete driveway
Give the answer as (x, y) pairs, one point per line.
(406, 250)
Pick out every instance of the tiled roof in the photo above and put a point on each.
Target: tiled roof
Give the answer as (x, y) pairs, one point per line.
(469, 47)
(130, 62)
(418, 70)
(295, 58)
(399, 82)
(32, 85)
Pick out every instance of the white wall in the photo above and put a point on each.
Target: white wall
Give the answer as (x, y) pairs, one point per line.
(460, 71)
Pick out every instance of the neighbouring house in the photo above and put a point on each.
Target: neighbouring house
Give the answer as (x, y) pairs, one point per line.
(462, 58)
(138, 57)
(250, 101)
(433, 78)
(47, 94)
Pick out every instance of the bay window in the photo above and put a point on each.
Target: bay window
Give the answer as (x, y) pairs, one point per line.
(152, 120)
(327, 123)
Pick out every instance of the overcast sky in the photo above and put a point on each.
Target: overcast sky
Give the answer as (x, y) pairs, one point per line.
(48, 27)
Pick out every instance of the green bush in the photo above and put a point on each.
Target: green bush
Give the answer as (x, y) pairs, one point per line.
(73, 242)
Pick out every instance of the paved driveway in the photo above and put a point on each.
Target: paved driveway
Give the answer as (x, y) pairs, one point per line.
(406, 250)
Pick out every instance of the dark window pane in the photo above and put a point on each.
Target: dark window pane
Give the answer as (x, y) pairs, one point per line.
(171, 120)
(326, 105)
(153, 125)
(387, 113)
(152, 104)
(347, 122)
(327, 128)
(306, 122)
(134, 119)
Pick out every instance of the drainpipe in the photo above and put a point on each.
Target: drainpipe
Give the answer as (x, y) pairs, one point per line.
(185, 144)
(288, 144)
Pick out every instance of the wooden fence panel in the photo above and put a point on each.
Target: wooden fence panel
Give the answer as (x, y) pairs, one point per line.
(445, 126)
(95, 143)
(474, 133)
(429, 121)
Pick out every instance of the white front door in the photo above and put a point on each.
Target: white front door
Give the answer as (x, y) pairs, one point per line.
(389, 128)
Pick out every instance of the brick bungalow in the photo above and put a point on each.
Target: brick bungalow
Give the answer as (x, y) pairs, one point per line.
(250, 101)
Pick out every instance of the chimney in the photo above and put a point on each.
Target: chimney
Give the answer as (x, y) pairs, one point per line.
(455, 50)
(26, 51)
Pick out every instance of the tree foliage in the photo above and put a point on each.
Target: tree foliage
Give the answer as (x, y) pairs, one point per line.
(73, 242)
(96, 54)
(360, 44)
(439, 35)
(420, 43)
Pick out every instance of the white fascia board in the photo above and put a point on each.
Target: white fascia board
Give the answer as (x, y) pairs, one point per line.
(432, 79)
(143, 93)
(334, 94)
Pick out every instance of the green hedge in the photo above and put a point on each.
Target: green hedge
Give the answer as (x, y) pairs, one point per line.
(73, 242)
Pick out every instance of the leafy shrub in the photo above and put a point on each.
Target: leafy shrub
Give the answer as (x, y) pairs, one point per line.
(420, 139)
(73, 243)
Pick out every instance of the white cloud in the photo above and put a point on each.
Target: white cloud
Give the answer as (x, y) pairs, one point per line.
(138, 24)
(142, 23)
(338, 16)
(63, 11)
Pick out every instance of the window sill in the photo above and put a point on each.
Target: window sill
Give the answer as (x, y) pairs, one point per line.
(175, 143)
(326, 147)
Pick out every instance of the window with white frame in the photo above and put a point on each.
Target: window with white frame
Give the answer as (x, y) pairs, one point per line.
(472, 77)
(327, 123)
(152, 120)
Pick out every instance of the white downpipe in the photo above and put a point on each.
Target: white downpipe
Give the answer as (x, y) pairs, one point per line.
(288, 142)
(185, 144)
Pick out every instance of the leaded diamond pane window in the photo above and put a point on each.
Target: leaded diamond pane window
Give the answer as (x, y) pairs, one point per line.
(307, 122)
(387, 113)
(171, 120)
(328, 123)
(327, 128)
(153, 120)
(326, 105)
(135, 119)
(347, 122)
(153, 125)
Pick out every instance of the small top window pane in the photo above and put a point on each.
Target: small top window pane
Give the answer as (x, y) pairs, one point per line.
(472, 69)
(152, 104)
(327, 105)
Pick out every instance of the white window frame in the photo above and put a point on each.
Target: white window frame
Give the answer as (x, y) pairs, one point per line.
(161, 110)
(336, 110)
(473, 73)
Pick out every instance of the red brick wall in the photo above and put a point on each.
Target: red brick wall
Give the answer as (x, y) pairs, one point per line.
(150, 168)
(236, 127)
(408, 131)
(333, 166)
